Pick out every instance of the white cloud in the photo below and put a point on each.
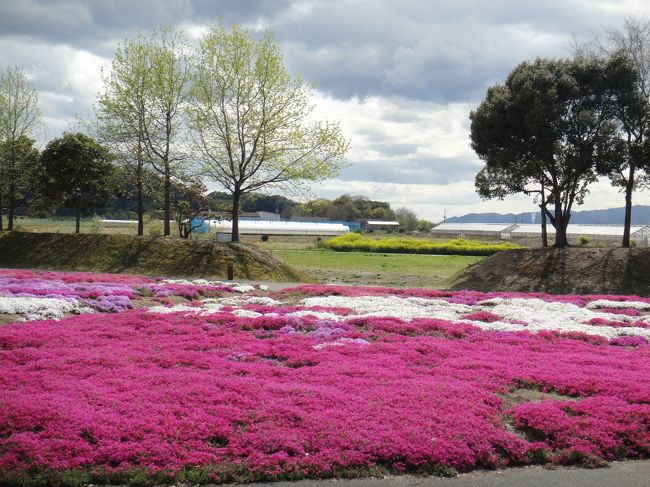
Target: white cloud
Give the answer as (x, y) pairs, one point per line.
(437, 137)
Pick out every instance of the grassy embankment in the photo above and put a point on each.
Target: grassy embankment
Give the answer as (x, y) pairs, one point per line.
(302, 252)
(142, 255)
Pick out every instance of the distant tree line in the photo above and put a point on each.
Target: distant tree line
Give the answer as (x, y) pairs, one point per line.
(557, 125)
(168, 119)
(344, 208)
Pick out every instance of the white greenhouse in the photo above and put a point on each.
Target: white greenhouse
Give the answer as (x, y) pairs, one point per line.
(254, 227)
(495, 231)
(595, 234)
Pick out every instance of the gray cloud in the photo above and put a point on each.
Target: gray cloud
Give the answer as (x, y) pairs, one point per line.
(429, 50)
(401, 75)
(414, 171)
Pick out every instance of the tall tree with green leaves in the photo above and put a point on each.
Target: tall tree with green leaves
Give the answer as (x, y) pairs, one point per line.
(547, 128)
(122, 111)
(22, 173)
(166, 98)
(631, 44)
(20, 117)
(252, 121)
(140, 112)
(77, 171)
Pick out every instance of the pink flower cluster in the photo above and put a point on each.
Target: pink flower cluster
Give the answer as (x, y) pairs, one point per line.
(293, 388)
(102, 292)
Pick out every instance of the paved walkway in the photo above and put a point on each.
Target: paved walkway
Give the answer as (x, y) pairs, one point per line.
(618, 474)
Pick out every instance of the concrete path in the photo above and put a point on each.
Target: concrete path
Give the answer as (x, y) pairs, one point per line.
(618, 474)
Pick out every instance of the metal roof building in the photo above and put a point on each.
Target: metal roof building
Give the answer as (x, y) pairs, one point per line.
(368, 225)
(255, 227)
(473, 230)
(605, 234)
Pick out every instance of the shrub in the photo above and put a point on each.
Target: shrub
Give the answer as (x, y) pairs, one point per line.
(96, 225)
(353, 242)
(264, 238)
(583, 240)
(156, 228)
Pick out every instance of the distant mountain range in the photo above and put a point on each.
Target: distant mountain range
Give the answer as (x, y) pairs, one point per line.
(611, 216)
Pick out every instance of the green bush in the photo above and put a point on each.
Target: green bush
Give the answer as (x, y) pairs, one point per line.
(583, 240)
(96, 224)
(155, 228)
(353, 242)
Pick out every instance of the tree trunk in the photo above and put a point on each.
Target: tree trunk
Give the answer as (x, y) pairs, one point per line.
(77, 208)
(11, 207)
(236, 196)
(629, 187)
(140, 204)
(544, 232)
(543, 209)
(167, 205)
(560, 225)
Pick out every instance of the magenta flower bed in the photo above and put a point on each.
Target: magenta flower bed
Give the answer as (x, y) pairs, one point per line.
(258, 389)
(102, 292)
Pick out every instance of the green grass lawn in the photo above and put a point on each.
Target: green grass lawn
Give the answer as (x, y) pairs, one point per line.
(432, 271)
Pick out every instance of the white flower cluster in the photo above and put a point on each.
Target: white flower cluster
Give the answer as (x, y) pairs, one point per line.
(193, 282)
(515, 314)
(606, 303)
(240, 288)
(32, 309)
(214, 305)
(340, 342)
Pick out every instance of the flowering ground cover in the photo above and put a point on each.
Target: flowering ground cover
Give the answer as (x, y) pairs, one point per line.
(207, 382)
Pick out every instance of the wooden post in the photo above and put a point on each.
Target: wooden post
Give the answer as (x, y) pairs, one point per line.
(231, 272)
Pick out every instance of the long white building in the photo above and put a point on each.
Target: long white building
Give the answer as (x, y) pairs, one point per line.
(596, 234)
(493, 231)
(605, 234)
(254, 227)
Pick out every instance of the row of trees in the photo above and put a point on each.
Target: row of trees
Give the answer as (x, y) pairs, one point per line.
(356, 208)
(228, 111)
(557, 125)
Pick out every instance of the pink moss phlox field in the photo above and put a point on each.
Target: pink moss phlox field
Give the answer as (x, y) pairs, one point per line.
(102, 292)
(75, 277)
(618, 324)
(189, 291)
(485, 316)
(290, 389)
(596, 427)
(295, 394)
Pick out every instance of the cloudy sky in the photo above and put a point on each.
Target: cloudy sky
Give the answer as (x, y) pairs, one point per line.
(400, 75)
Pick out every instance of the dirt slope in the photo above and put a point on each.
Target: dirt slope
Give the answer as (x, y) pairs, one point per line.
(142, 255)
(570, 270)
